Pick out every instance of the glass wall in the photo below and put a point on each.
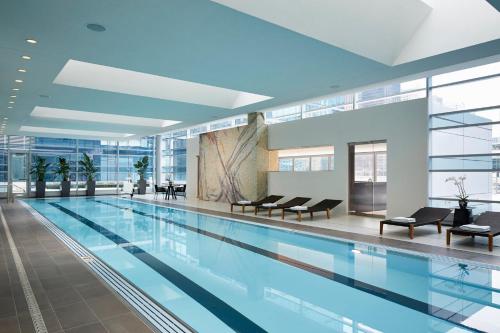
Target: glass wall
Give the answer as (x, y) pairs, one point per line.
(173, 146)
(173, 157)
(129, 152)
(114, 160)
(306, 159)
(392, 93)
(213, 126)
(51, 149)
(465, 136)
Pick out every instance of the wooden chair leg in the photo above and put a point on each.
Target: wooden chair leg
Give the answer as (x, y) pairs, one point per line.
(412, 231)
(490, 242)
(439, 227)
(256, 210)
(243, 209)
(269, 212)
(327, 213)
(231, 208)
(283, 214)
(381, 228)
(299, 216)
(311, 214)
(448, 237)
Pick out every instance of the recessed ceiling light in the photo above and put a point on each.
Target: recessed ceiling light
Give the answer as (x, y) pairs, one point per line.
(19, 81)
(15, 89)
(21, 70)
(31, 41)
(12, 96)
(96, 27)
(9, 107)
(5, 118)
(25, 57)
(11, 102)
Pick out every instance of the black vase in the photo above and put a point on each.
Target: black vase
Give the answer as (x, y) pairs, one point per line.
(141, 186)
(40, 189)
(65, 188)
(90, 188)
(462, 204)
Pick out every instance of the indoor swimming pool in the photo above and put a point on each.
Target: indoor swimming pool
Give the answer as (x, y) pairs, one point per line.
(220, 275)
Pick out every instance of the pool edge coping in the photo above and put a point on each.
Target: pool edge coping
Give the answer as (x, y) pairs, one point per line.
(456, 255)
(124, 283)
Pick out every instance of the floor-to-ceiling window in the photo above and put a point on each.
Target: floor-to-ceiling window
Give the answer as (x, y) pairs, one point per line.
(104, 154)
(130, 152)
(173, 146)
(173, 151)
(51, 149)
(3, 164)
(465, 136)
(114, 160)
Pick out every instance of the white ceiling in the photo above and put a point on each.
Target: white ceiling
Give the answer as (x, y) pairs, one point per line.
(30, 130)
(451, 25)
(55, 113)
(392, 32)
(198, 61)
(105, 78)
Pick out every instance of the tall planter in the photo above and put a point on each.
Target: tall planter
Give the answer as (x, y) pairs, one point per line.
(89, 170)
(90, 187)
(141, 186)
(39, 169)
(62, 170)
(40, 189)
(141, 166)
(65, 188)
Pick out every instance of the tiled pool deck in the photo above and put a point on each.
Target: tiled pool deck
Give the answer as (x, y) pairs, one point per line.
(72, 298)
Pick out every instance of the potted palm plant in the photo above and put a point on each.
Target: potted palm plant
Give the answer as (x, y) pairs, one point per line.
(62, 169)
(39, 169)
(141, 166)
(89, 170)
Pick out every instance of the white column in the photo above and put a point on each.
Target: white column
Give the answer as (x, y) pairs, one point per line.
(157, 172)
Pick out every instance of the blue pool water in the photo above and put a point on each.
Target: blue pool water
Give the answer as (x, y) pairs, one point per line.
(220, 275)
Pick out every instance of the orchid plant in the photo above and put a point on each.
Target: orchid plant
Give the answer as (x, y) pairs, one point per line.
(459, 183)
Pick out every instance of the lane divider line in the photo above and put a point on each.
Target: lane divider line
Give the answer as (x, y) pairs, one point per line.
(155, 314)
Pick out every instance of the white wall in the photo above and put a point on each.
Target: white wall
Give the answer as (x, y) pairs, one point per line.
(405, 127)
(192, 153)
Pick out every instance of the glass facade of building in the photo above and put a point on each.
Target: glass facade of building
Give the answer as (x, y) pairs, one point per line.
(173, 157)
(114, 160)
(173, 146)
(392, 93)
(464, 134)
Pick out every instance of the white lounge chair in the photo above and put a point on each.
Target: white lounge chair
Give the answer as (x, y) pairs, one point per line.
(128, 189)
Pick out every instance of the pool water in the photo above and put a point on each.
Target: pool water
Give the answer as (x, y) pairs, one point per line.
(222, 275)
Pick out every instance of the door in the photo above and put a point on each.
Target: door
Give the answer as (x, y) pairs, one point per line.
(368, 178)
(18, 174)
